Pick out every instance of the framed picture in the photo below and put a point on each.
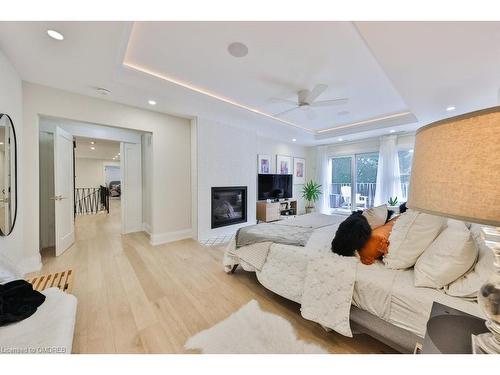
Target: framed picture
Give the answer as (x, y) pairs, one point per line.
(263, 164)
(299, 171)
(283, 164)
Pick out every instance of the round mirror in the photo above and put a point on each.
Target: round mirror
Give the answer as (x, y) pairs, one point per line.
(8, 175)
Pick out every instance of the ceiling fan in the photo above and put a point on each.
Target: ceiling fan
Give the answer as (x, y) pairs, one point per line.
(306, 101)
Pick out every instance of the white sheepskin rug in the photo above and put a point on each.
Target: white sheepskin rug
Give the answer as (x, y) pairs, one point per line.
(251, 331)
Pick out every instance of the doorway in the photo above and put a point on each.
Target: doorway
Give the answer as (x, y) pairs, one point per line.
(89, 170)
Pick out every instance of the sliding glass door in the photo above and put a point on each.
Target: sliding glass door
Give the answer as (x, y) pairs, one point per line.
(354, 180)
(366, 179)
(341, 189)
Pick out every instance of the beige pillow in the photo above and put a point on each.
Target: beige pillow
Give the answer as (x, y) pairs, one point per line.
(376, 216)
(469, 284)
(413, 232)
(448, 257)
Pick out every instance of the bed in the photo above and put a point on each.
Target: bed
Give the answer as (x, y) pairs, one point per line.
(384, 301)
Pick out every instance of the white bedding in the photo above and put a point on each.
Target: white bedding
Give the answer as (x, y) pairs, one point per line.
(388, 294)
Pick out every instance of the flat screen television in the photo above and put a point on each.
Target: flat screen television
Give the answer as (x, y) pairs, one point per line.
(274, 186)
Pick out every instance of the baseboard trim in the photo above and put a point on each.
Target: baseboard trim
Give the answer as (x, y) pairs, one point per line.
(31, 264)
(161, 238)
(146, 228)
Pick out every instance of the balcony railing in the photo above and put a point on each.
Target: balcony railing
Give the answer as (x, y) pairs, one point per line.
(91, 200)
(365, 194)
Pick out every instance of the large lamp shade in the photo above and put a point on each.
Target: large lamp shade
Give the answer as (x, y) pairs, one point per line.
(456, 168)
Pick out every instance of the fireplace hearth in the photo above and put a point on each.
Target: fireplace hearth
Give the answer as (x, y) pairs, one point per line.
(229, 205)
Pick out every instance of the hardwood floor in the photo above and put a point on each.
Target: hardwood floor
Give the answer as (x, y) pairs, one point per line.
(136, 298)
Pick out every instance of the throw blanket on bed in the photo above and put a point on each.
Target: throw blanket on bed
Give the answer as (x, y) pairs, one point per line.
(314, 220)
(328, 290)
(271, 232)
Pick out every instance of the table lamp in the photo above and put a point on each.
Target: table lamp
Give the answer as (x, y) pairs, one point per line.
(456, 173)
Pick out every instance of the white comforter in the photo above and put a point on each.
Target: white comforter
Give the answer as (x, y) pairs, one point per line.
(327, 279)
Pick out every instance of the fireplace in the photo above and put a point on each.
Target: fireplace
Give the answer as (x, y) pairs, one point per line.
(229, 205)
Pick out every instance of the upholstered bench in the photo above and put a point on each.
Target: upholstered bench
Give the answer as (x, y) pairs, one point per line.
(49, 330)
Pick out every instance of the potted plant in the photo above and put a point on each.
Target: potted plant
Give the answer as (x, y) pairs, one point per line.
(393, 204)
(311, 192)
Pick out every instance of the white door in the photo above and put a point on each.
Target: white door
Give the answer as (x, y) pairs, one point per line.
(63, 190)
(131, 187)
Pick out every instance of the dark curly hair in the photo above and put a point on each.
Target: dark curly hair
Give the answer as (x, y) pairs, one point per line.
(352, 234)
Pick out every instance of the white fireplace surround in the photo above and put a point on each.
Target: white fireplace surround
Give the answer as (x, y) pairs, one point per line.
(226, 155)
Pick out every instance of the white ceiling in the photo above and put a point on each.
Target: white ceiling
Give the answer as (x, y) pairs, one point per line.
(283, 58)
(411, 69)
(103, 149)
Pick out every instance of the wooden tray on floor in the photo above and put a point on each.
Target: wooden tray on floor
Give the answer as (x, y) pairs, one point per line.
(62, 280)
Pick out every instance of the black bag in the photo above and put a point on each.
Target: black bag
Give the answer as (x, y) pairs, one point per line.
(18, 301)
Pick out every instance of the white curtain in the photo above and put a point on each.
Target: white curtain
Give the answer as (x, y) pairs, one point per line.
(388, 177)
(323, 177)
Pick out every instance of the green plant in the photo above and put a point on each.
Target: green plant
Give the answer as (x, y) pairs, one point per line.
(393, 201)
(311, 192)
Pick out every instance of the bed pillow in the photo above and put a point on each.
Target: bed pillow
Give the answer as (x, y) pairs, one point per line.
(412, 233)
(449, 257)
(469, 284)
(377, 245)
(376, 216)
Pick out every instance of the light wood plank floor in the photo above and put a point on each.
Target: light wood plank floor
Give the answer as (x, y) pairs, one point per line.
(136, 298)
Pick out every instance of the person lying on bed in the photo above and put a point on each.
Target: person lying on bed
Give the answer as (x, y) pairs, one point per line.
(355, 236)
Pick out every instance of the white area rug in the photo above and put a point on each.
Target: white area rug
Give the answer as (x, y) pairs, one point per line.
(251, 331)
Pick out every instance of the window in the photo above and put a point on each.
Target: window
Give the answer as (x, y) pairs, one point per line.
(405, 160)
(354, 181)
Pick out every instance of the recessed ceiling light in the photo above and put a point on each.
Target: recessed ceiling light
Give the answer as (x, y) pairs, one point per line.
(340, 139)
(451, 108)
(1, 143)
(92, 148)
(118, 154)
(237, 49)
(392, 131)
(55, 35)
(294, 140)
(151, 102)
(410, 151)
(92, 142)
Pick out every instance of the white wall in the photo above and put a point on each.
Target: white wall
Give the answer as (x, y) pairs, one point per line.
(171, 181)
(90, 172)
(272, 148)
(226, 155)
(11, 103)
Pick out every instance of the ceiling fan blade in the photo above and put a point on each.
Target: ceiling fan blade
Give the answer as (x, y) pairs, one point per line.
(288, 110)
(326, 103)
(279, 100)
(315, 92)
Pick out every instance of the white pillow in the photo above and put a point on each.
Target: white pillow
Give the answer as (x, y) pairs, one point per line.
(8, 271)
(412, 233)
(449, 257)
(469, 284)
(376, 216)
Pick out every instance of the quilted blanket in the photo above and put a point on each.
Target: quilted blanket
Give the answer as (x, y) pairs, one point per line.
(271, 232)
(328, 290)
